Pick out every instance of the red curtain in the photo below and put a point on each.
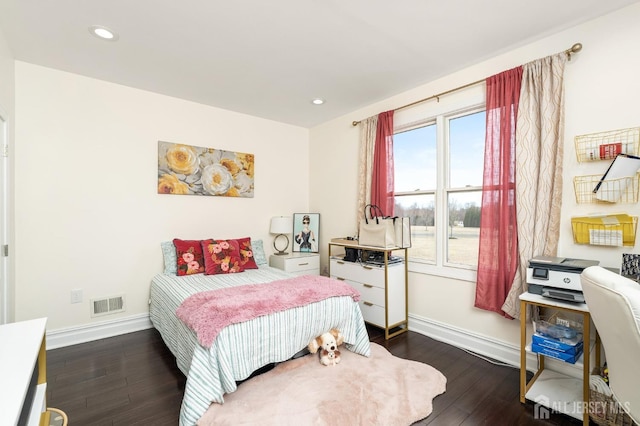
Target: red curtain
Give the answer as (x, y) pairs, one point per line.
(498, 252)
(382, 176)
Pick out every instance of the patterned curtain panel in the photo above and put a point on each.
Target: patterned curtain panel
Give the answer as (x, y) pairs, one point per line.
(498, 253)
(365, 164)
(539, 153)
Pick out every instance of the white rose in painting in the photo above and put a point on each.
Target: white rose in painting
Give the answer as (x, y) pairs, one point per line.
(243, 183)
(210, 156)
(216, 179)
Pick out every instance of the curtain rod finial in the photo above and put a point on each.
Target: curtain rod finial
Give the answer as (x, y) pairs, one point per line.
(355, 123)
(573, 49)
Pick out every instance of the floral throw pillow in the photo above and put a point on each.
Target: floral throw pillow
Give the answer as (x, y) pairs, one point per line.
(247, 260)
(189, 254)
(221, 257)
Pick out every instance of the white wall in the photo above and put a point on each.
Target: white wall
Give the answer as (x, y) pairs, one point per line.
(6, 75)
(7, 87)
(602, 92)
(87, 210)
(87, 214)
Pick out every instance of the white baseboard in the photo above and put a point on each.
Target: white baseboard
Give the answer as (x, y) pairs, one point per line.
(485, 346)
(89, 332)
(477, 343)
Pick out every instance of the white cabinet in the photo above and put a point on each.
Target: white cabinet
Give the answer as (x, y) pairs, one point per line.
(297, 263)
(382, 288)
(23, 373)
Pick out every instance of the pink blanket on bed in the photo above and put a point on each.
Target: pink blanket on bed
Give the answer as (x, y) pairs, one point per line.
(208, 312)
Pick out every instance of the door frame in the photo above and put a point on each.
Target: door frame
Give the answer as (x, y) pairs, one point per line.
(5, 294)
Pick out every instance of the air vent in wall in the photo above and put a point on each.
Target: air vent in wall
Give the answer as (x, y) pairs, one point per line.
(106, 306)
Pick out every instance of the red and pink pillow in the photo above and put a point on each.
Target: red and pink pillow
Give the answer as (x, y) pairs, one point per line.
(247, 260)
(213, 256)
(189, 257)
(221, 257)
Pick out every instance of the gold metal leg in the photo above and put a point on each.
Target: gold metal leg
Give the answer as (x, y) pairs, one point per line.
(523, 354)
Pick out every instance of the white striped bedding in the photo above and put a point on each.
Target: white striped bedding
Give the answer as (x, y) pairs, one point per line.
(240, 349)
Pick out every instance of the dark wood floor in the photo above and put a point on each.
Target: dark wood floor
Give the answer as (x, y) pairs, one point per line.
(133, 380)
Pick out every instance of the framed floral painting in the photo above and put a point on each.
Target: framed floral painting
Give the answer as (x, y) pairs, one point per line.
(306, 231)
(193, 170)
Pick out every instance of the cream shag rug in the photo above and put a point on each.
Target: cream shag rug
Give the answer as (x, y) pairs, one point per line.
(379, 390)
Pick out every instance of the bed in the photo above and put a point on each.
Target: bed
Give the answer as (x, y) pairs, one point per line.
(242, 348)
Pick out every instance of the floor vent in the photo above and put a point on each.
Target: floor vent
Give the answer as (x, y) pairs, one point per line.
(106, 306)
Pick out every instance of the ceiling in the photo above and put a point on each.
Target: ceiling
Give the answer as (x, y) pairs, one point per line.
(270, 59)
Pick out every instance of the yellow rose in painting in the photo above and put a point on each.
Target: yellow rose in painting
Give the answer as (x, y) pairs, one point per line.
(232, 193)
(182, 159)
(231, 165)
(247, 161)
(169, 184)
(216, 179)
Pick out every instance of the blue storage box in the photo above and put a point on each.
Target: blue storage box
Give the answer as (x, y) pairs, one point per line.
(563, 356)
(558, 345)
(557, 331)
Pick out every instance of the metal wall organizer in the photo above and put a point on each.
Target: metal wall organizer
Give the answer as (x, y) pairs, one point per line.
(606, 145)
(622, 190)
(607, 230)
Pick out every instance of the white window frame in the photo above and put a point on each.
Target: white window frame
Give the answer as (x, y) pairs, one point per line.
(465, 104)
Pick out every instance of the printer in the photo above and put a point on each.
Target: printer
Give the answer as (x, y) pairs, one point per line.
(557, 277)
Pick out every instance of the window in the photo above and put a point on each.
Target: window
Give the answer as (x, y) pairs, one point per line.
(438, 184)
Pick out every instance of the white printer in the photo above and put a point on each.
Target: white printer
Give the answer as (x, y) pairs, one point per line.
(557, 277)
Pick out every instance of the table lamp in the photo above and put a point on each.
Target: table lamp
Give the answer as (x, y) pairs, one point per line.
(281, 225)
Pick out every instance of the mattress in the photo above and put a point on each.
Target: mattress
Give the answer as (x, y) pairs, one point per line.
(240, 349)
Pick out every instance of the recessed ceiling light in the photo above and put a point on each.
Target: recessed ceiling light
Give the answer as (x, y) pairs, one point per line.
(103, 32)
(317, 101)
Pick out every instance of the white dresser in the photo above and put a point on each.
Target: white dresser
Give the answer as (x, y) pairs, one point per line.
(382, 288)
(297, 263)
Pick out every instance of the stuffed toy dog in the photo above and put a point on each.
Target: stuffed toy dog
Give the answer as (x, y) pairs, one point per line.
(329, 357)
(329, 342)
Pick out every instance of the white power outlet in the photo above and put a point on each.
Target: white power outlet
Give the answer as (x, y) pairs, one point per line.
(76, 295)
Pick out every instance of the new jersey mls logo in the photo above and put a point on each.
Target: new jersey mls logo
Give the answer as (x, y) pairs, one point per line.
(540, 409)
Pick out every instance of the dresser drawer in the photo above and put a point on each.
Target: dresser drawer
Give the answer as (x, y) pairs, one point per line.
(352, 271)
(368, 292)
(300, 264)
(372, 314)
(297, 264)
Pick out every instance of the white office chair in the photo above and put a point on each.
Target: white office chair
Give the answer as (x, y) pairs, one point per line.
(614, 304)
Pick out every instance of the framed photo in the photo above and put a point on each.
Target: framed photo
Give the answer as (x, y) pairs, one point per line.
(306, 232)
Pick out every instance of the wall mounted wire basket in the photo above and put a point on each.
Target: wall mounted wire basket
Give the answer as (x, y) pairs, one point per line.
(621, 190)
(608, 230)
(606, 145)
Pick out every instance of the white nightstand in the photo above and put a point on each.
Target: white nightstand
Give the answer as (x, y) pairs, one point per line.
(297, 263)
